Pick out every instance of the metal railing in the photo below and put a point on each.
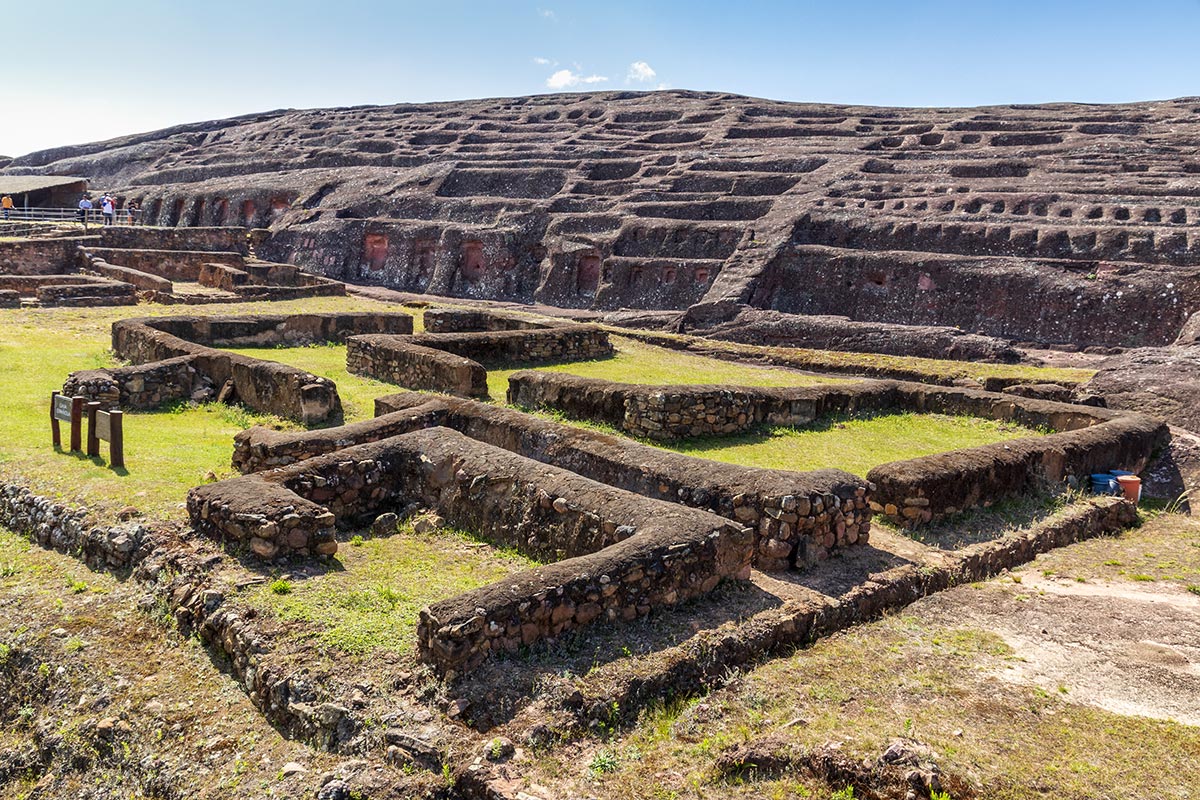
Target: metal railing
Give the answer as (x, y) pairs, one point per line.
(92, 217)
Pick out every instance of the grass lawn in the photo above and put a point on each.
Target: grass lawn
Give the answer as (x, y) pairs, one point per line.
(371, 599)
(637, 362)
(855, 444)
(171, 450)
(166, 452)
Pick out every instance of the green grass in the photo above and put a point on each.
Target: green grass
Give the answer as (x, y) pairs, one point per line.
(1165, 550)
(637, 362)
(170, 450)
(853, 444)
(371, 599)
(166, 452)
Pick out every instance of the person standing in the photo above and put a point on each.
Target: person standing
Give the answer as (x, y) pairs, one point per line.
(6, 203)
(107, 209)
(131, 210)
(85, 208)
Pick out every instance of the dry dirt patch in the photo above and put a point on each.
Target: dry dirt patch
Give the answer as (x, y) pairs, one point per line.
(1110, 622)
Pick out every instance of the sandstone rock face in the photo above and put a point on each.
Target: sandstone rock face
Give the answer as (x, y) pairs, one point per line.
(750, 325)
(1161, 381)
(1058, 224)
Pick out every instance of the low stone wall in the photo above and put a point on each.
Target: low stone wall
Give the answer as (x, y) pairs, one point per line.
(734, 322)
(799, 518)
(263, 385)
(396, 359)
(613, 692)
(265, 330)
(181, 578)
(142, 280)
(260, 514)
(909, 492)
(96, 292)
(70, 290)
(28, 285)
(677, 412)
(258, 448)
(454, 320)
(56, 526)
(559, 343)
(918, 490)
(150, 238)
(264, 281)
(454, 362)
(9, 299)
(222, 276)
(267, 273)
(173, 265)
(321, 288)
(143, 386)
(41, 256)
(624, 554)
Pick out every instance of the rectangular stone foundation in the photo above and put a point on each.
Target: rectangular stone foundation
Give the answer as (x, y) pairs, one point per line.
(454, 362)
(908, 492)
(799, 518)
(618, 554)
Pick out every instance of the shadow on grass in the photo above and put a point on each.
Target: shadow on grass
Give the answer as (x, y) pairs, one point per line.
(98, 461)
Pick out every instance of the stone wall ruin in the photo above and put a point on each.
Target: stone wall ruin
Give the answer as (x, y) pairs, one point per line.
(618, 554)
(456, 362)
(909, 492)
(190, 345)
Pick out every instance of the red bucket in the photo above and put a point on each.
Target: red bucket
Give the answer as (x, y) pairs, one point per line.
(1131, 485)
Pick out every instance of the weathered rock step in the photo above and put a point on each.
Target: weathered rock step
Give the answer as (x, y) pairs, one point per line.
(724, 210)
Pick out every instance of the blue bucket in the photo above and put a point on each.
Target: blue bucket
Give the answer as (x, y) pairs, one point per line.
(1105, 483)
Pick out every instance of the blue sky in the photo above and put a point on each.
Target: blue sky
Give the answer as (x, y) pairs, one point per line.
(73, 71)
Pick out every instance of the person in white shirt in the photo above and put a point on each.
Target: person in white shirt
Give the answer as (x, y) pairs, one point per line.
(85, 210)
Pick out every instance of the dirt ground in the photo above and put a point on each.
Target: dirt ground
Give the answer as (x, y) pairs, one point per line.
(1075, 676)
(1122, 640)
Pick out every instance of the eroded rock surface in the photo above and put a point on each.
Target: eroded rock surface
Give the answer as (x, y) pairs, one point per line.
(1162, 381)
(1055, 224)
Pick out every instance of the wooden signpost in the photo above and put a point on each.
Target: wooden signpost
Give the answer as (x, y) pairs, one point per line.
(101, 426)
(106, 426)
(66, 409)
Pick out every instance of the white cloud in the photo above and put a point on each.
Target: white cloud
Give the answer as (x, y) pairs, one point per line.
(565, 79)
(541, 61)
(547, 13)
(641, 72)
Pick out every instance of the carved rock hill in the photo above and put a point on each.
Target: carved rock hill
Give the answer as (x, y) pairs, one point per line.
(1058, 224)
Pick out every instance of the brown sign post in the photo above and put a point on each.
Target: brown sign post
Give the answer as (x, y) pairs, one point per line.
(66, 409)
(106, 426)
